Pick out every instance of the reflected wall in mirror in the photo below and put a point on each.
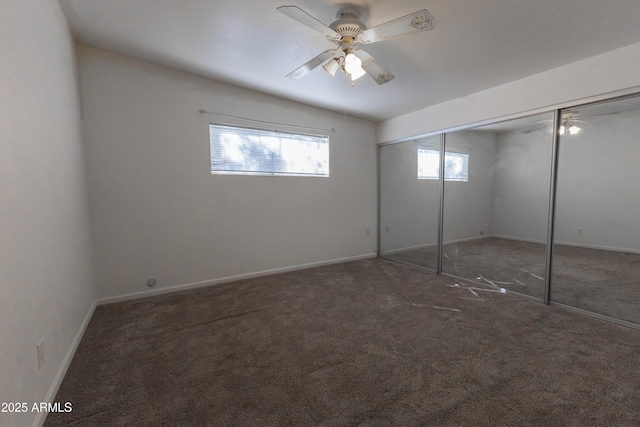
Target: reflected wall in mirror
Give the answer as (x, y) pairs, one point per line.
(409, 194)
(596, 264)
(495, 222)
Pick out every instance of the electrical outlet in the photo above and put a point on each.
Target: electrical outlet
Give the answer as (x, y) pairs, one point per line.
(40, 354)
(387, 229)
(368, 231)
(580, 231)
(151, 282)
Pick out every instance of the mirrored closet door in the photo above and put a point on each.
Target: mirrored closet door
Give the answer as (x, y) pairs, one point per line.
(496, 204)
(409, 194)
(596, 263)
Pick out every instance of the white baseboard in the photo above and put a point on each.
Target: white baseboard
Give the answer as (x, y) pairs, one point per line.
(520, 239)
(432, 245)
(599, 247)
(573, 244)
(467, 239)
(183, 287)
(64, 366)
(408, 248)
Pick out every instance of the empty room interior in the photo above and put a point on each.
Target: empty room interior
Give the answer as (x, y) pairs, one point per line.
(380, 213)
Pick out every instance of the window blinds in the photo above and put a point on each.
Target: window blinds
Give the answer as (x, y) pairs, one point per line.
(241, 150)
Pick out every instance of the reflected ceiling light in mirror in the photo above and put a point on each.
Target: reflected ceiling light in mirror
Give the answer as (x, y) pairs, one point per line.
(573, 129)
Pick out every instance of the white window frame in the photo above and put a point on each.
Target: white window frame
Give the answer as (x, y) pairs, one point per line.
(432, 171)
(239, 150)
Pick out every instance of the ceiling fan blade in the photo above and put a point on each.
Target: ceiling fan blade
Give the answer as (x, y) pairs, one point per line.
(533, 129)
(380, 74)
(598, 115)
(306, 68)
(574, 116)
(413, 23)
(572, 121)
(304, 18)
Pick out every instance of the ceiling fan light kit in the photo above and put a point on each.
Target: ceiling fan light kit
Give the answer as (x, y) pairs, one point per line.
(347, 32)
(332, 66)
(353, 66)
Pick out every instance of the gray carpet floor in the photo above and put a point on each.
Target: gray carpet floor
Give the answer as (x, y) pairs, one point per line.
(366, 343)
(600, 281)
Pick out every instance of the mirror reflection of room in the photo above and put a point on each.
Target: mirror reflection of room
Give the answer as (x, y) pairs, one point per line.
(596, 264)
(495, 221)
(496, 198)
(409, 193)
(495, 213)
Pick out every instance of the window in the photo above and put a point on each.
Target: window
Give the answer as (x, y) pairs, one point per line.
(246, 151)
(456, 165)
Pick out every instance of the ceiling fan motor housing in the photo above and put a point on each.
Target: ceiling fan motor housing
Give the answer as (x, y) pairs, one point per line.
(348, 24)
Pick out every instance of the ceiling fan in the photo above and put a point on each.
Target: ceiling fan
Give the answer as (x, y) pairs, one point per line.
(570, 120)
(347, 32)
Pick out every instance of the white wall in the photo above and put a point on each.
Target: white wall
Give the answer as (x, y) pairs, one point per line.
(46, 278)
(597, 184)
(612, 71)
(468, 205)
(521, 183)
(598, 178)
(409, 206)
(158, 212)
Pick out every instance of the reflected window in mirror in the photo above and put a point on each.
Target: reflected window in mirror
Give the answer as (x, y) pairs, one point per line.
(456, 165)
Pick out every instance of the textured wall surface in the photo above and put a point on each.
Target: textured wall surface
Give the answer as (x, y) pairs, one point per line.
(46, 274)
(158, 212)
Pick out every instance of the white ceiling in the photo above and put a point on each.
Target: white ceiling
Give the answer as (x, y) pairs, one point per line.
(474, 45)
